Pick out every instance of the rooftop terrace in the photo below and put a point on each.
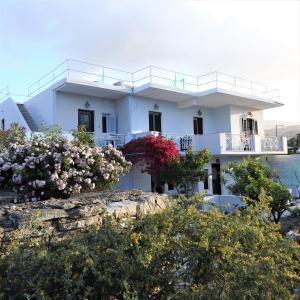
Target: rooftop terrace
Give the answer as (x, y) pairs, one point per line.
(78, 71)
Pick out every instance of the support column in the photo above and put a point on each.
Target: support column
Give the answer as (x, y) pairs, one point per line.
(200, 187)
(166, 188)
(210, 184)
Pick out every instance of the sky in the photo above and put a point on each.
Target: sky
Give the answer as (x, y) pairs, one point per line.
(259, 40)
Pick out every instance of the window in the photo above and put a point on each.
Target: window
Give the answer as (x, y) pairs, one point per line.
(154, 121)
(205, 181)
(3, 124)
(109, 123)
(198, 125)
(86, 118)
(250, 125)
(104, 123)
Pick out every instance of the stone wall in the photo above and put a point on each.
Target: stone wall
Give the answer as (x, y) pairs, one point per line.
(58, 218)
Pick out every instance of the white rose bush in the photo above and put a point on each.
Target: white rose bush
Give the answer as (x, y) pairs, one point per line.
(41, 169)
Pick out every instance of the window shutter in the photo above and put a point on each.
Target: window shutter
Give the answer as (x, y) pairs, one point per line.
(151, 123)
(244, 124)
(158, 122)
(255, 127)
(112, 123)
(200, 125)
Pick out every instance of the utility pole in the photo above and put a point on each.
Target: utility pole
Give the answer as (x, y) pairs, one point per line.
(276, 128)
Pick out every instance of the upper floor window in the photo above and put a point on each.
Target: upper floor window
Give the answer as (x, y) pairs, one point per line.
(86, 118)
(250, 125)
(3, 124)
(154, 121)
(198, 125)
(109, 123)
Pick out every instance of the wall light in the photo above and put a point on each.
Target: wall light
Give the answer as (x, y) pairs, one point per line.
(87, 104)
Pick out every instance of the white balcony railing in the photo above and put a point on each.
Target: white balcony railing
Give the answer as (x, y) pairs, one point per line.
(79, 70)
(117, 140)
(217, 143)
(272, 144)
(239, 142)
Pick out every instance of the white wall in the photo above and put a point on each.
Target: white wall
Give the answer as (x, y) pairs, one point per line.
(10, 112)
(41, 108)
(174, 119)
(67, 106)
(123, 115)
(135, 179)
(237, 113)
(220, 119)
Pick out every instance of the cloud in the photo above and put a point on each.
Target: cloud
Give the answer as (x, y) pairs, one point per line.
(252, 39)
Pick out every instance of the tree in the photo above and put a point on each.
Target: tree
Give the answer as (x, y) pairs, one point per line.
(180, 253)
(185, 172)
(152, 152)
(250, 177)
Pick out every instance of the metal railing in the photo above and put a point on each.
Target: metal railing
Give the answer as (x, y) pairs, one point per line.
(80, 70)
(6, 93)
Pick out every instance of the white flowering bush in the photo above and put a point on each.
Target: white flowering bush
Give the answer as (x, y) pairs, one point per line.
(41, 169)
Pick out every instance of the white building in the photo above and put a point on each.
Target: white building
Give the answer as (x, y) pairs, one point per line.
(216, 111)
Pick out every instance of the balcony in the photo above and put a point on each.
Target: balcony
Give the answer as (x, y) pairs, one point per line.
(216, 143)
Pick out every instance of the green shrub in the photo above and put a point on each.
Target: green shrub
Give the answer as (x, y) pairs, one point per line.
(210, 255)
(250, 177)
(15, 134)
(82, 137)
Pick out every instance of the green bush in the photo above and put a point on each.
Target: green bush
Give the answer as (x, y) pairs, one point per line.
(14, 134)
(250, 177)
(181, 253)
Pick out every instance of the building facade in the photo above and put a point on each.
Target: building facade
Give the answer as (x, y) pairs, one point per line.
(216, 111)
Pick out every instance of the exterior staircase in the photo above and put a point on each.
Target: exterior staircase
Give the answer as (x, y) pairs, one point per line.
(27, 117)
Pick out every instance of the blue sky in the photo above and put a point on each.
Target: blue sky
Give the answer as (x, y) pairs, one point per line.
(258, 40)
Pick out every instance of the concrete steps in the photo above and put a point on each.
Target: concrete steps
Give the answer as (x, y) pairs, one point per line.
(27, 117)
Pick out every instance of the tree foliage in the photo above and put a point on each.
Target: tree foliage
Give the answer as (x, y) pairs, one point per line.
(181, 253)
(152, 152)
(250, 177)
(185, 172)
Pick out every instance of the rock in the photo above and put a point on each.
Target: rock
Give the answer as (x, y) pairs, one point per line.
(61, 204)
(22, 219)
(58, 219)
(148, 203)
(66, 225)
(122, 209)
(87, 211)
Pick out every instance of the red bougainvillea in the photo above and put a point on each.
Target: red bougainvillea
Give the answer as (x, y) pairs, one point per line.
(152, 152)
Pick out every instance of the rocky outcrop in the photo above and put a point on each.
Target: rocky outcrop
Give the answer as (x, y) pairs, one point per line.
(57, 218)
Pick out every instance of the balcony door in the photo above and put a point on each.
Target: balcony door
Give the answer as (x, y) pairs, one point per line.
(198, 125)
(154, 121)
(216, 179)
(86, 118)
(250, 126)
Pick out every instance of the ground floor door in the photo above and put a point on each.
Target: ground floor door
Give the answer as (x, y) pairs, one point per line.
(216, 179)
